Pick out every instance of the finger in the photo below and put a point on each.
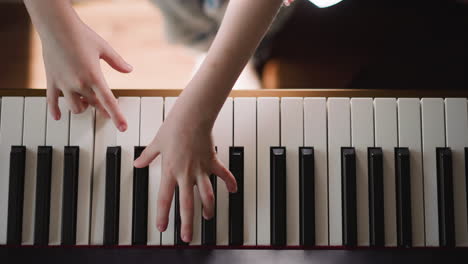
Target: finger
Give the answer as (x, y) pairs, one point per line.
(92, 100)
(108, 101)
(165, 196)
(223, 173)
(115, 60)
(74, 103)
(52, 101)
(207, 196)
(186, 210)
(147, 156)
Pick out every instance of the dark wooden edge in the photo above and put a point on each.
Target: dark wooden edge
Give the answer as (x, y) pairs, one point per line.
(257, 247)
(270, 93)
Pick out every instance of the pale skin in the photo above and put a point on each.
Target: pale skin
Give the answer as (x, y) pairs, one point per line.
(72, 53)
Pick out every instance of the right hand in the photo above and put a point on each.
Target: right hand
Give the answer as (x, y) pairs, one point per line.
(72, 62)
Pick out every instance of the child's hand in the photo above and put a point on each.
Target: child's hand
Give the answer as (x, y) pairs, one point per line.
(72, 53)
(188, 159)
(72, 63)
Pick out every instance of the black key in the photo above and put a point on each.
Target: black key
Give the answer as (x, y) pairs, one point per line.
(307, 196)
(403, 197)
(445, 197)
(466, 178)
(178, 221)
(70, 194)
(348, 197)
(376, 197)
(44, 175)
(140, 203)
(209, 226)
(16, 195)
(236, 200)
(111, 213)
(278, 196)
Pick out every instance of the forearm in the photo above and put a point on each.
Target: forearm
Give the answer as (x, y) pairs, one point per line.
(244, 25)
(51, 16)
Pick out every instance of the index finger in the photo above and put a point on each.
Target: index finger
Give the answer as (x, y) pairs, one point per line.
(109, 102)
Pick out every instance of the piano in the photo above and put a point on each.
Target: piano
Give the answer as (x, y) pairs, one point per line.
(374, 175)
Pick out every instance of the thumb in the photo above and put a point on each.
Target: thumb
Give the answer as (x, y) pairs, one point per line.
(115, 60)
(146, 157)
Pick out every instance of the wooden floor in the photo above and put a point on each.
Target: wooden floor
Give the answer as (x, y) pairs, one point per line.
(132, 27)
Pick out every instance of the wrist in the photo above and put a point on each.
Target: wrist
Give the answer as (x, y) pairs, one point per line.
(51, 16)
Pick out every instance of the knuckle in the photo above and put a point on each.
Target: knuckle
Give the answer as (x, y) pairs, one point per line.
(91, 78)
(210, 197)
(74, 109)
(108, 100)
(187, 203)
(51, 99)
(169, 171)
(164, 203)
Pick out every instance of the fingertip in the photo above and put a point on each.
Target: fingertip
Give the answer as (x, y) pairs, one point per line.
(122, 127)
(161, 227)
(128, 68)
(187, 238)
(207, 215)
(234, 188)
(55, 113)
(139, 163)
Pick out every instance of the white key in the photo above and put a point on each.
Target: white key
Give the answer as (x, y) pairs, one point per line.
(385, 117)
(457, 139)
(339, 135)
(82, 135)
(130, 107)
(245, 113)
(223, 139)
(105, 136)
(268, 128)
(292, 130)
(33, 136)
(315, 135)
(167, 237)
(197, 217)
(57, 136)
(433, 135)
(409, 135)
(362, 135)
(151, 120)
(11, 133)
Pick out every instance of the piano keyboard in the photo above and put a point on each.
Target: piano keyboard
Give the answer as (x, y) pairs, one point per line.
(338, 170)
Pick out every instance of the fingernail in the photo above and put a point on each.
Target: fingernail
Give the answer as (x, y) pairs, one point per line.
(129, 67)
(122, 128)
(136, 163)
(57, 117)
(186, 238)
(161, 228)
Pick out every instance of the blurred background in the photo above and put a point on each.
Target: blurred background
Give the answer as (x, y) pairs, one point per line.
(416, 44)
(132, 27)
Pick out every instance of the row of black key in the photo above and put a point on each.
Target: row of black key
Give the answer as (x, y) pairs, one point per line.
(236, 200)
(349, 200)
